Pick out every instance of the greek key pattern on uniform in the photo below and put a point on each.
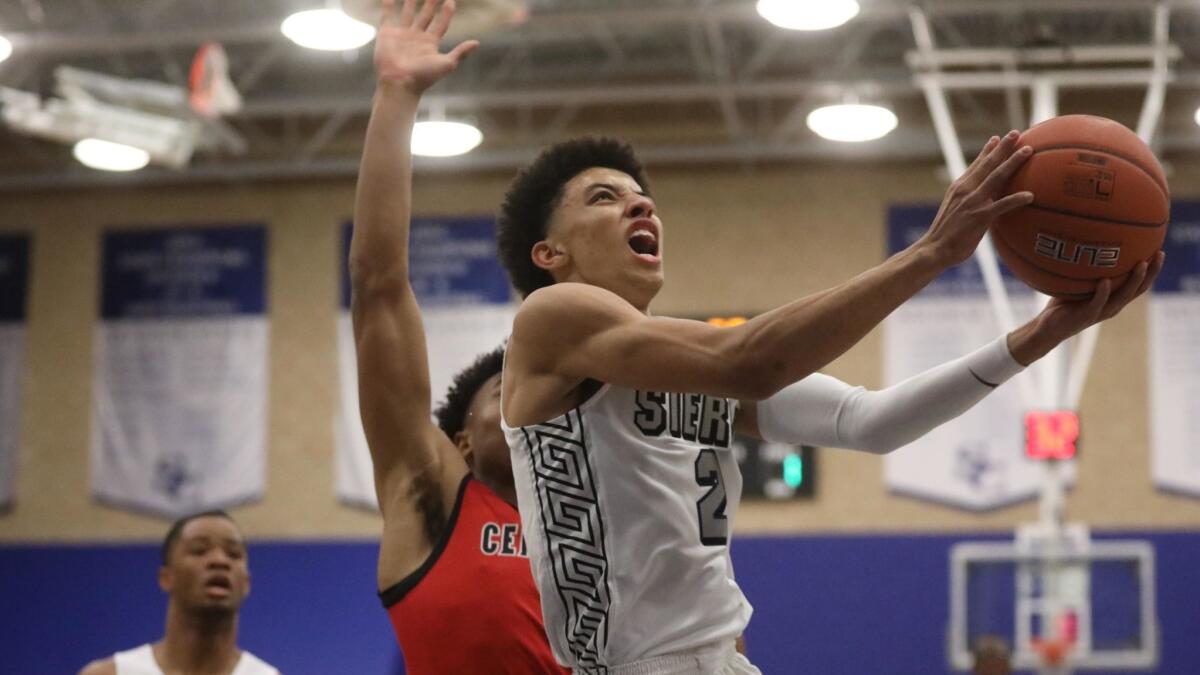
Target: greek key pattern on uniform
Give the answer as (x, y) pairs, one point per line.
(574, 532)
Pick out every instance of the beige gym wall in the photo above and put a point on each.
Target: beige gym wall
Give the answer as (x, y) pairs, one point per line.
(736, 240)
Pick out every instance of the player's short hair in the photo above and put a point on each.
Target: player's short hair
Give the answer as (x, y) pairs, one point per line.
(452, 413)
(177, 529)
(537, 189)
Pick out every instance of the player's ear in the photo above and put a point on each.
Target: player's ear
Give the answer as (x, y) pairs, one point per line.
(164, 578)
(462, 440)
(548, 256)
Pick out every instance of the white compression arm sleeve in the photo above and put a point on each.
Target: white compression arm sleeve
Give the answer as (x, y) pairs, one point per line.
(824, 411)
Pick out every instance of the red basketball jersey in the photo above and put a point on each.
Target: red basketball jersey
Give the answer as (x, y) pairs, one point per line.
(472, 607)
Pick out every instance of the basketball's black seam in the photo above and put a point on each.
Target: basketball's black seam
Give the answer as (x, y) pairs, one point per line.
(1053, 274)
(1101, 219)
(1096, 148)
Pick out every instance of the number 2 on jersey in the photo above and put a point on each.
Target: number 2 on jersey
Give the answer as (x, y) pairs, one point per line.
(714, 526)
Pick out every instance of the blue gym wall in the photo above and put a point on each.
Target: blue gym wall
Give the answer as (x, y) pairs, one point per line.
(823, 604)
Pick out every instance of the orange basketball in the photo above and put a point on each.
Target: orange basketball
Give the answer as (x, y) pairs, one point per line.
(1100, 206)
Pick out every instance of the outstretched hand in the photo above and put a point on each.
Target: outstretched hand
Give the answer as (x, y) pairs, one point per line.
(1063, 318)
(1068, 317)
(977, 198)
(407, 44)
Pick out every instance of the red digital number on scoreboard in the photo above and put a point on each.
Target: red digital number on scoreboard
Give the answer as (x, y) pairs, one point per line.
(1051, 434)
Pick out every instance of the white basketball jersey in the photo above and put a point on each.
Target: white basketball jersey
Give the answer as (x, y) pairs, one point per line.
(627, 504)
(140, 661)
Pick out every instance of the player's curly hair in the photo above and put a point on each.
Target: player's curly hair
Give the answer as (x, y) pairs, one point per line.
(537, 189)
(451, 414)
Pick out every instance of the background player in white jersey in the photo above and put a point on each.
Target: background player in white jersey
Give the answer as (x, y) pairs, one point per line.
(206, 577)
(619, 421)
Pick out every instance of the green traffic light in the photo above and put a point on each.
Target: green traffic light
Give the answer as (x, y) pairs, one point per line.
(793, 470)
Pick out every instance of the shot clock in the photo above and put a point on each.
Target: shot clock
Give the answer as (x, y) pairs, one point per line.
(1051, 434)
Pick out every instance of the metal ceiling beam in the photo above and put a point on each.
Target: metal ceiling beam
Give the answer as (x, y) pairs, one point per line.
(591, 95)
(722, 72)
(964, 7)
(1092, 54)
(901, 146)
(555, 25)
(901, 84)
(916, 145)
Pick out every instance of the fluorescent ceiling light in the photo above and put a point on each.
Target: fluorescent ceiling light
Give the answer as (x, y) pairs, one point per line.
(5, 48)
(852, 122)
(808, 14)
(1198, 116)
(327, 29)
(444, 139)
(108, 156)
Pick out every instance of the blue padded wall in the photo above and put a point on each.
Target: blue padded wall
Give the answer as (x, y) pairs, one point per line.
(823, 604)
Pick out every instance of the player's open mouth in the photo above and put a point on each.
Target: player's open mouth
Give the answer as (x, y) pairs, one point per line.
(643, 240)
(218, 587)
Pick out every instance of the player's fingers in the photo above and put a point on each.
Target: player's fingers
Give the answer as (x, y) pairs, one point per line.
(1000, 152)
(1009, 203)
(1124, 295)
(406, 12)
(1127, 292)
(998, 177)
(987, 147)
(461, 51)
(1156, 265)
(1153, 267)
(441, 23)
(426, 16)
(1100, 297)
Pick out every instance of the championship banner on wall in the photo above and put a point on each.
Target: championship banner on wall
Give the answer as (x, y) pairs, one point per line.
(1174, 346)
(180, 392)
(466, 307)
(14, 285)
(977, 460)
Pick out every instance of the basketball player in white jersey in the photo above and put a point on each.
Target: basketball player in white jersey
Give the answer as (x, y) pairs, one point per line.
(619, 422)
(206, 578)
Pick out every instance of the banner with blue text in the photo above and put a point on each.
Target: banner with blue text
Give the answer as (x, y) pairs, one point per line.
(975, 461)
(180, 392)
(1174, 346)
(466, 308)
(14, 291)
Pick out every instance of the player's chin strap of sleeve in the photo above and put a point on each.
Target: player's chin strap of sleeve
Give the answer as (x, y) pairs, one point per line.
(824, 411)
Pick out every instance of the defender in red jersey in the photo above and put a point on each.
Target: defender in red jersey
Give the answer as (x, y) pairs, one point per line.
(452, 565)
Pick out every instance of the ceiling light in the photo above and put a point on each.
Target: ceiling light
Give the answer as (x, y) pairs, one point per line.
(5, 48)
(808, 14)
(852, 122)
(108, 156)
(1198, 116)
(327, 29)
(444, 139)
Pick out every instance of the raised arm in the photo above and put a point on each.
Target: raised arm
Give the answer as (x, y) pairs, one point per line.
(821, 410)
(411, 457)
(568, 333)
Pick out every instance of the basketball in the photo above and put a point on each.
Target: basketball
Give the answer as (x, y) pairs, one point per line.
(1100, 206)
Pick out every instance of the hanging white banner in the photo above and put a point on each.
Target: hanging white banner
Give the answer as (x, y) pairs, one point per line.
(466, 310)
(1175, 357)
(180, 391)
(975, 461)
(14, 282)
